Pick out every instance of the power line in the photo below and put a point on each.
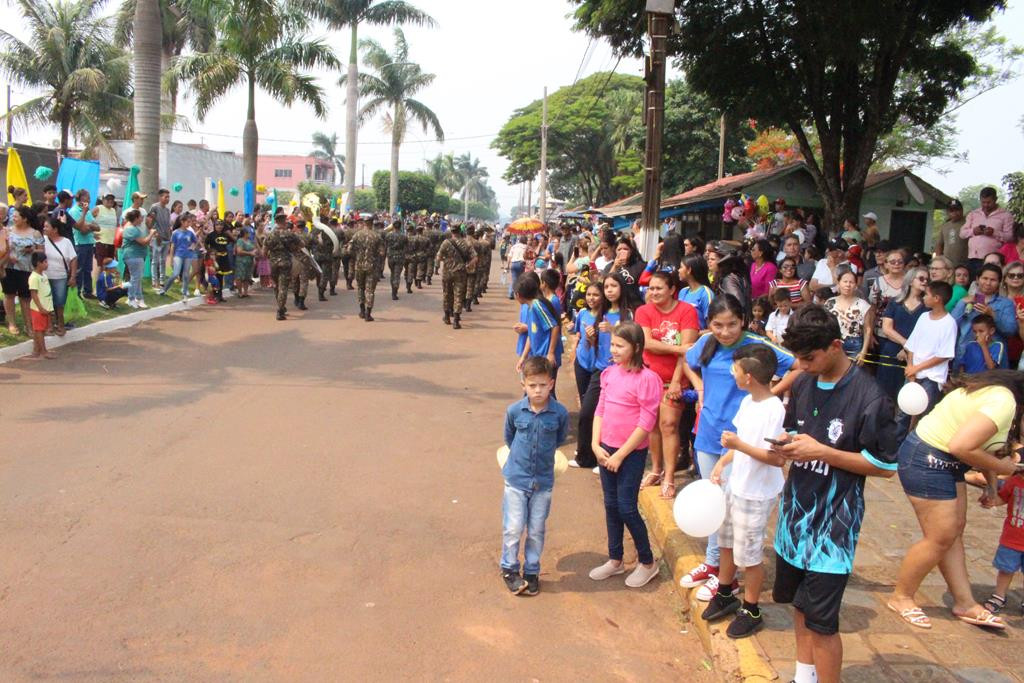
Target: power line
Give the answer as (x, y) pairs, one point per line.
(307, 142)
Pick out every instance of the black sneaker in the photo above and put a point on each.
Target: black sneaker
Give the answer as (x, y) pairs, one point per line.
(532, 584)
(745, 624)
(513, 581)
(720, 606)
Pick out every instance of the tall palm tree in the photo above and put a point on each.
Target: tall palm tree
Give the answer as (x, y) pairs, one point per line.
(259, 43)
(147, 94)
(349, 14)
(473, 176)
(392, 84)
(181, 24)
(70, 58)
(326, 148)
(442, 169)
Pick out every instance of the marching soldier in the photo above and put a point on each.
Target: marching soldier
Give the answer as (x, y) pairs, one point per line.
(454, 256)
(339, 233)
(366, 251)
(397, 244)
(435, 237)
(302, 268)
(469, 242)
(346, 254)
(281, 244)
(483, 251)
(414, 257)
(323, 252)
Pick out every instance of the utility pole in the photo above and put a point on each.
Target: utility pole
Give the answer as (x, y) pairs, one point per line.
(544, 160)
(10, 139)
(659, 14)
(362, 180)
(529, 197)
(721, 148)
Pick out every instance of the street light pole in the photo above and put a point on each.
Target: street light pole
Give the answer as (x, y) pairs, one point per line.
(544, 160)
(659, 13)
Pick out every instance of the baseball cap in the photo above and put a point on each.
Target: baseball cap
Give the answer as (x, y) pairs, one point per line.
(871, 216)
(840, 244)
(955, 205)
(139, 195)
(109, 195)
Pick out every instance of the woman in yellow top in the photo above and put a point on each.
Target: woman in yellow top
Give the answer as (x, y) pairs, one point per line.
(974, 426)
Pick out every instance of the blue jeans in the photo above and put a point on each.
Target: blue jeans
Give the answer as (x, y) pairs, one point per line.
(181, 268)
(83, 278)
(523, 510)
(137, 267)
(927, 472)
(934, 392)
(853, 345)
(621, 490)
(515, 271)
(157, 262)
(705, 464)
(59, 291)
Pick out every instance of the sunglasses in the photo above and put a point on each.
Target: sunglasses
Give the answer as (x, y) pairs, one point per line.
(1016, 276)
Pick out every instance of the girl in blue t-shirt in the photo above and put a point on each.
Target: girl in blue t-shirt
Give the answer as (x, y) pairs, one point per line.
(696, 291)
(544, 333)
(709, 369)
(522, 327)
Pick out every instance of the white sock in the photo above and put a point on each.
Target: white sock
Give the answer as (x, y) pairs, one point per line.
(805, 673)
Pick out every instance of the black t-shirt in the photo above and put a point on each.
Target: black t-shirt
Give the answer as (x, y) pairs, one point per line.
(217, 244)
(65, 224)
(822, 507)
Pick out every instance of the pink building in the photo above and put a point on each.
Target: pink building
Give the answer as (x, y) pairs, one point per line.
(286, 171)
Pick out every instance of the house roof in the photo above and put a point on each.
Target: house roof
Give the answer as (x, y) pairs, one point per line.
(730, 185)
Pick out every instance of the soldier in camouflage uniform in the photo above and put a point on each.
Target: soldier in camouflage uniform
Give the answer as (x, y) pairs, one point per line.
(434, 237)
(339, 232)
(281, 244)
(415, 258)
(302, 268)
(454, 255)
(346, 255)
(397, 244)
(469, 241)
(323, 252)
(483, 252)
(367, 250)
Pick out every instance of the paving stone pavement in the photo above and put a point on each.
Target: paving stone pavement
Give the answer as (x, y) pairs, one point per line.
(877, 644)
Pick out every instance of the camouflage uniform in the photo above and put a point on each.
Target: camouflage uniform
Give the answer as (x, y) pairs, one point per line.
(397, 244)
(434, 238)
(366, 250)
(339, 232)
(280, 245)
(323, 252)
(346, 257)
(416, 260)
(469, 242)
(454, 255)
(302, 271)
(483, 254)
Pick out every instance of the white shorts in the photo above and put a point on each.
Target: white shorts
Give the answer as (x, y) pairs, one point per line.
(743, 528)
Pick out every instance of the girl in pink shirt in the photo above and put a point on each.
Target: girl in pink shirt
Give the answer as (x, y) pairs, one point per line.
(626, 413)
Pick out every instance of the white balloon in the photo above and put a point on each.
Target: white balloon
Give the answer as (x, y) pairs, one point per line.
(700, 508)
(912, 399)
(114, 184)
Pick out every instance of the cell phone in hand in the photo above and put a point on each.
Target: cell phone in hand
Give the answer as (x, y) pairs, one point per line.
(776, 442)
(979, 298)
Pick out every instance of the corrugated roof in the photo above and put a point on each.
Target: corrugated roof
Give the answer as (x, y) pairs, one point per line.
(729, 185)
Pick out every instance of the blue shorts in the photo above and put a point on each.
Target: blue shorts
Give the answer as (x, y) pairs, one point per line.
(1008, 560)
(927, 472)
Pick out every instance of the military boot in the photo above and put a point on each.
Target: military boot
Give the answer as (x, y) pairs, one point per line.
(281, 315)
(295, 298)
(348, 284)
(320, 295)
(419, 285)
(394, 292)
(302, 304)
(457, 324)
(408, 288)
(333, 293)
(369, 318)
(468, 306)
(447, 317)
(362, 311)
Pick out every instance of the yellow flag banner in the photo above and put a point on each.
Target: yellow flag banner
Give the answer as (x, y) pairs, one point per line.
(16, 175)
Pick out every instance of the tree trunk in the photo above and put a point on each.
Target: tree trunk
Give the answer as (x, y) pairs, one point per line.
(168, 106)
(250, 137)
(147, 51)
(65, 128)
(397, 131)
(351, 114)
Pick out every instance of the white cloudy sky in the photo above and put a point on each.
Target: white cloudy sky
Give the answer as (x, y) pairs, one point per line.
(492, 56)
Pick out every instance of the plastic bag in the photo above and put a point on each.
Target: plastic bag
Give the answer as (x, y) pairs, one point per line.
(74, 307)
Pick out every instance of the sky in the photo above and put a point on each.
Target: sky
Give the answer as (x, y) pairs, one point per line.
(492, 57)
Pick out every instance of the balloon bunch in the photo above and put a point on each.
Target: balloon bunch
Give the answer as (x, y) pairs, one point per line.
(43, 173)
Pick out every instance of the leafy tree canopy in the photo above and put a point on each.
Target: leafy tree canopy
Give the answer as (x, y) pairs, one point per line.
(415, 190)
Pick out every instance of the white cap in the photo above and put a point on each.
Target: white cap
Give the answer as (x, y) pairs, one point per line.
(870, 215)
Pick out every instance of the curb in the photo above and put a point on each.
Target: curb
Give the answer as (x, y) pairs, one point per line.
(11, 353)
(737, 660)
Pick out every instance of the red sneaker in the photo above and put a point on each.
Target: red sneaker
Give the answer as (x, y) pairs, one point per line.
(698, 575)
(710, 589)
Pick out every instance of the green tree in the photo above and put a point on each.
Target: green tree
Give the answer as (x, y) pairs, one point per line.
(582, 161)
(392, 87)
(442, 169)
(441, 202)
(348, 15)
(259, 43)
(326, 148)
(473, 177)
(890, 62)
(364, 200)
(1014, 183)
(415, 190)
(70, 58)
(970, 196)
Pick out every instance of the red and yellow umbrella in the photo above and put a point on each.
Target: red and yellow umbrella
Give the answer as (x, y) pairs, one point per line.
(525, 226)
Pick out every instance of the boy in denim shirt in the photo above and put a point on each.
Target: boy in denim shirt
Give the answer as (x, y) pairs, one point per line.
(534, 427)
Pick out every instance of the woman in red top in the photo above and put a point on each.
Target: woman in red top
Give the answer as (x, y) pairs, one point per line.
(670, 329)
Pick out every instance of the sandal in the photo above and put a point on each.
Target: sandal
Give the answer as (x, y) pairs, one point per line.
(668, 490)
(914, 616)
(651, 479)
(982, 618)
(995, 603)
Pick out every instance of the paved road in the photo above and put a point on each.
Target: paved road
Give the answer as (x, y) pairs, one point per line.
(220, 496)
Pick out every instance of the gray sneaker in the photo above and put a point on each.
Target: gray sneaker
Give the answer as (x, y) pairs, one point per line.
(642, 575)
(607, 570)
(513, 581)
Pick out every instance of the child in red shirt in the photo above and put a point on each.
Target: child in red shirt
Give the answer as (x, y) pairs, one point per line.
(1009, 559)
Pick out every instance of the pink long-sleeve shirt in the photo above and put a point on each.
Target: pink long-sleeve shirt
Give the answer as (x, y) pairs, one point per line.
(980, 246)
(629, 399)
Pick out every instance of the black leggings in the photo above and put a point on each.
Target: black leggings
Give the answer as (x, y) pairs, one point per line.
(589, 386)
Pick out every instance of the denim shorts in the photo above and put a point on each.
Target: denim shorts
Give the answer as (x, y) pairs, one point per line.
(1008, 560)
(927, 472)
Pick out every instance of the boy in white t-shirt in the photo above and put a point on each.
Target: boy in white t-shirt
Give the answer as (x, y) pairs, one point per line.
(752, 489)
(778, 321)
(931, 347)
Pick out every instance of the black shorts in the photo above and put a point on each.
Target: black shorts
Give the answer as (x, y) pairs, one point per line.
(15, 282)
(818, 595)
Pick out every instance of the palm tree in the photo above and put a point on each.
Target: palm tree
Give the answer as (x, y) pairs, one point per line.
(180, 24)
(147, 94)
(349, 14)
(394, 82)
(472, 175)
(70, 58)
(326, 148)
(442, 169)
(259, 42)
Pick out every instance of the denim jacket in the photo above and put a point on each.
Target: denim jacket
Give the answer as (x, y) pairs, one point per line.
(1003, 312)
(532, 439)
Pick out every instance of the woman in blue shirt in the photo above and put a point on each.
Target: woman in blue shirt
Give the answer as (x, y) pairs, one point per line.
(697, 292)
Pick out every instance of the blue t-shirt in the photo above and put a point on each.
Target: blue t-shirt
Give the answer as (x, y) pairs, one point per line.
(524, 317)
(131, 248)
(184, 242)
(540, 322)
(75, 212)
(974, 360)
(586, 355)
(700, 298)
(557, 304)
(721, 395)
(604, 341)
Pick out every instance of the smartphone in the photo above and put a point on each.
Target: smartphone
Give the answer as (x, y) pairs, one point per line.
(979, 298)
(775, 442)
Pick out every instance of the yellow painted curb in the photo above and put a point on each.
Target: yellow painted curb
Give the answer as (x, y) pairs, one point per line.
(739, 660)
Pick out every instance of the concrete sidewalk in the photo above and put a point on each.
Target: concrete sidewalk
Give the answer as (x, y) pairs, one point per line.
(878, 645)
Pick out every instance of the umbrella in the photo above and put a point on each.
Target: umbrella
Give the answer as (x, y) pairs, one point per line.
(525, 226)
